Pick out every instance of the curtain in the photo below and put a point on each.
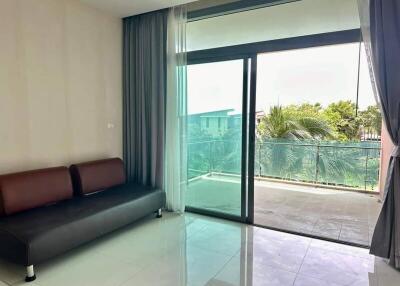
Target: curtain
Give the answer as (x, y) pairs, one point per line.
(176, 111)
(380, 23)
(144, 91)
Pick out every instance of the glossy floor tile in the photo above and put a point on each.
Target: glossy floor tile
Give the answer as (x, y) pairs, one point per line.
(193, 250)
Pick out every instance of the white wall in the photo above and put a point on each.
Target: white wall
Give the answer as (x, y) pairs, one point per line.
(60, 84)
(276, 22)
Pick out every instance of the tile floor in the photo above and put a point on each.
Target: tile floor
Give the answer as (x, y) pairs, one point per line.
(194, 250)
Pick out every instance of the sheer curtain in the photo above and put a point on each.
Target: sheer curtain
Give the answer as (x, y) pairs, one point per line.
(380, 24)
(176, 111)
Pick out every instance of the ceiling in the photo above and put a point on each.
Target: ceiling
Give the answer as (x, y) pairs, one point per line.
(124, 8)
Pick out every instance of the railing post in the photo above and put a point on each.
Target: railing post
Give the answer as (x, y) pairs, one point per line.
(317, 164)
(210, 158)
(259, 159)
(366, 170)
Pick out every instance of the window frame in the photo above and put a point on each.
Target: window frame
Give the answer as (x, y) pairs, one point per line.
(249, 53)
(252, 49)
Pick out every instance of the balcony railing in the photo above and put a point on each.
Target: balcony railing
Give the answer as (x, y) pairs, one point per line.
(346, 164)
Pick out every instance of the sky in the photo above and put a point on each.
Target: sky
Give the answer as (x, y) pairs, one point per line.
(323, 74)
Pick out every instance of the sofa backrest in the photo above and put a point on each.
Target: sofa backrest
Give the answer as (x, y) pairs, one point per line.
(32, 189)
(96, 176)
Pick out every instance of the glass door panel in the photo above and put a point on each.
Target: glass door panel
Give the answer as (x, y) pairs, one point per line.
(215, 103)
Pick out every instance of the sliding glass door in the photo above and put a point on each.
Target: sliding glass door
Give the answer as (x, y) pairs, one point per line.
(217, 100)
(286, 134)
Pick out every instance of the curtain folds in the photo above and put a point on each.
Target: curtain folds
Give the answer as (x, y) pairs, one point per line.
(155, 102)
(176, 110)
(144, 92)
(380, 23)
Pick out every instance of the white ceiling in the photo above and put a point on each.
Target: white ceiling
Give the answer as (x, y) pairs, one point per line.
(124, 8)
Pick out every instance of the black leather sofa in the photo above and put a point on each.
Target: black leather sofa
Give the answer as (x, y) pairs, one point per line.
(42, 215)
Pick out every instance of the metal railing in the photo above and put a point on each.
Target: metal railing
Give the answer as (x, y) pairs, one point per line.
(347, 164)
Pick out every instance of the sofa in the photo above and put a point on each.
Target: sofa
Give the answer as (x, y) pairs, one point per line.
(44, 213)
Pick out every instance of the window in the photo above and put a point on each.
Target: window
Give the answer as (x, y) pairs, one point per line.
(313, 75)
(306, 17)
(303, 53)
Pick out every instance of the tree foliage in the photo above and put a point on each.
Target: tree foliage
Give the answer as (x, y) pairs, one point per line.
(295, 123)
(342, 118)
(337, 121)
(371, 119)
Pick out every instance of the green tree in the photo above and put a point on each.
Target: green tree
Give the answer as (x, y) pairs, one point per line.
(304, 110)
(371, 119)
(198, 150)
(342, 118)
(196, 134)
(294, 123)
(279, 159)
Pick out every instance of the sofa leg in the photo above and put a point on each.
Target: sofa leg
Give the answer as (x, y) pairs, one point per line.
(159, 213)
(30, 274)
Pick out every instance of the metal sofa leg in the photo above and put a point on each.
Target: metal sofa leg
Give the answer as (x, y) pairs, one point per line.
(30, 274)
(159, 213)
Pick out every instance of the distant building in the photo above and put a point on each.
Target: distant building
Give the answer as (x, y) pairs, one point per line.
(216, 123)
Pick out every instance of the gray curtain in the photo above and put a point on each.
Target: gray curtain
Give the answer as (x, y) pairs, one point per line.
(384, 52)
(144, 76)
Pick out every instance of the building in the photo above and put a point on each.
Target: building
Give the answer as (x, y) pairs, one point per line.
(215, 123)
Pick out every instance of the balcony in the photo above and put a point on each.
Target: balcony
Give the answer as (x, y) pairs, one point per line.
(326, 189)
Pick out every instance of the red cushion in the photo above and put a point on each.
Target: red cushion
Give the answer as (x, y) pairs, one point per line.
(99, 175)
(28, 190)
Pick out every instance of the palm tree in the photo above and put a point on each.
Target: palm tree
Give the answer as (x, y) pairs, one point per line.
(289, 160)
(278, 124)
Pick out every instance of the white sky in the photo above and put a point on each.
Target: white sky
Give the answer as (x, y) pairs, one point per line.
(322, 74)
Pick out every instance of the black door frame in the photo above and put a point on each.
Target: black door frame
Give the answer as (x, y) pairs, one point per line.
(248, 53)
(232, 7)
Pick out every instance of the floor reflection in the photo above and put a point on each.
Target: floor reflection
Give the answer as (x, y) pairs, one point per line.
(266, 257)
(193, 250)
